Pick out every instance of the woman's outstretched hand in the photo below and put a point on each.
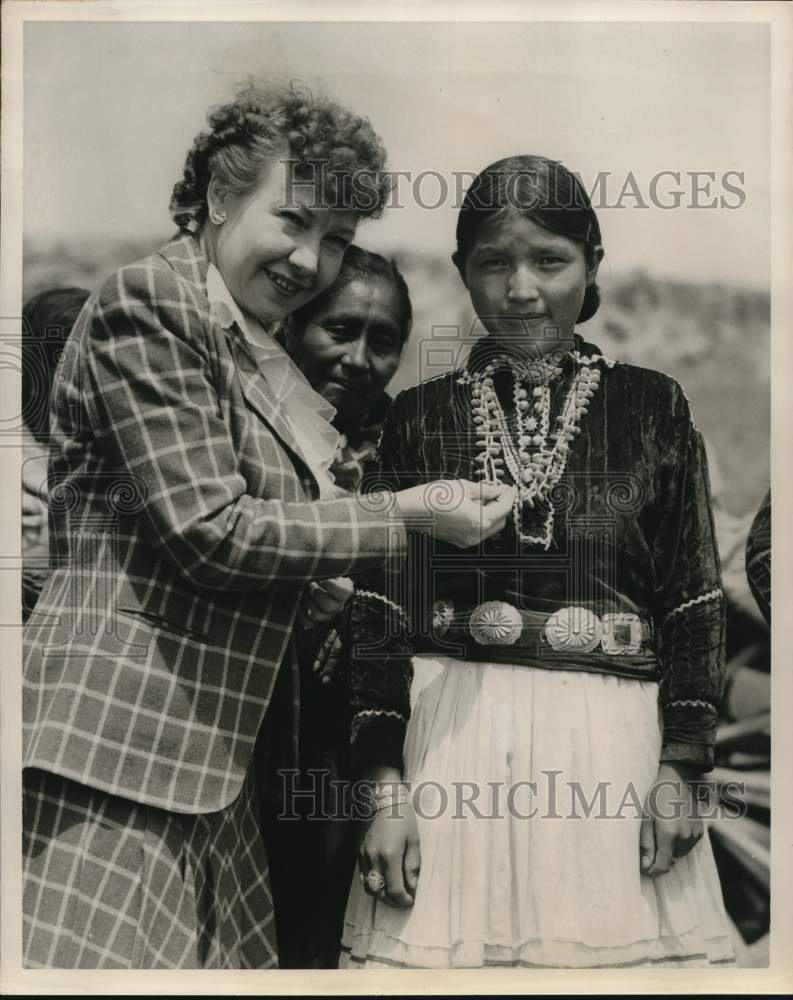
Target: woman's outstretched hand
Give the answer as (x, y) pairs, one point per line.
(458, 511)
(671, 825)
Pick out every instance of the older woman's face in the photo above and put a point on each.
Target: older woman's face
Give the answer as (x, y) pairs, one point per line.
(350, 348)
(276, 249)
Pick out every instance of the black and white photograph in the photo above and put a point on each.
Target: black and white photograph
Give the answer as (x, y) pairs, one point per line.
(387, 468)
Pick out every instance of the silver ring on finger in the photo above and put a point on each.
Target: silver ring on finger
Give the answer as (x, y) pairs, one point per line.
(375, 882)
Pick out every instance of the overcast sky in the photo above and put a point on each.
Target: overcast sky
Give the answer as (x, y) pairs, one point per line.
(111, 109)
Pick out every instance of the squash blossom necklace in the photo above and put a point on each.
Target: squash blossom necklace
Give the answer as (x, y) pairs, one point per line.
(535, 456)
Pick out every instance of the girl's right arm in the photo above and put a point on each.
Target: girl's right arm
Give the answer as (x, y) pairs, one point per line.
(380, 647)
(390, 844)
(381, 667)
(379, 683)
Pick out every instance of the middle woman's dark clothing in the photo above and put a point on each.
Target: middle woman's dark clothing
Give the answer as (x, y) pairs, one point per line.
(310, 837)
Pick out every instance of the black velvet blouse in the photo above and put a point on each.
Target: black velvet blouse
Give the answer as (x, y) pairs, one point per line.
(632, 532)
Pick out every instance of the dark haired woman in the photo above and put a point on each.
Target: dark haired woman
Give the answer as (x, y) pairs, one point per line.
(191, 509)
(47, 318)
(569, 674)
(348, 343)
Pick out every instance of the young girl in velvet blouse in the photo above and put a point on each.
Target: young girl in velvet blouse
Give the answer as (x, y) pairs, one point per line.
(536, 808)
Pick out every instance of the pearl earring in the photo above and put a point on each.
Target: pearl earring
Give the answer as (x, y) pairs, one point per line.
(218, 216)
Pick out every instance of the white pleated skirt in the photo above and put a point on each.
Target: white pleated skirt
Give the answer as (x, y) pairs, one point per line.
(528, 785)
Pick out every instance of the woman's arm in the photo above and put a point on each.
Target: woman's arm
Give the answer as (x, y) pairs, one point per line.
(153, 405)
(152, 399)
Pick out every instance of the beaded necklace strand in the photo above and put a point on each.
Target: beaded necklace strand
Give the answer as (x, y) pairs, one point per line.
(536, 457)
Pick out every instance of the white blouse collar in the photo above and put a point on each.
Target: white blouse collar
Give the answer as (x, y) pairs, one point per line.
(309, 413)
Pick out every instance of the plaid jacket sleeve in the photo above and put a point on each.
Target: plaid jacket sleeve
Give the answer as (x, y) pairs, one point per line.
(154, 409)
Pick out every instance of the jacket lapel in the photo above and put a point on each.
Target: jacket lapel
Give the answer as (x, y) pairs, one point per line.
(185, 255)
(260, 396)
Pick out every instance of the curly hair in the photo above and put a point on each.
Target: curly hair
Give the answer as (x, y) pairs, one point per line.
(326, 144)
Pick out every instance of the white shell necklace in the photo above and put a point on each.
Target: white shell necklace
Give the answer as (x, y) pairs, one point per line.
(537, 457)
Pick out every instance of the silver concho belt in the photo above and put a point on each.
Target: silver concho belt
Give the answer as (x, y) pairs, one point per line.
(572, 629)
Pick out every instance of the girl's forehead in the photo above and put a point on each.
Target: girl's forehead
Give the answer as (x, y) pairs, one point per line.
(513, 227)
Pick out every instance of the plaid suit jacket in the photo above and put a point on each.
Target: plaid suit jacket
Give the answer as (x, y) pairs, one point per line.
(184, 526)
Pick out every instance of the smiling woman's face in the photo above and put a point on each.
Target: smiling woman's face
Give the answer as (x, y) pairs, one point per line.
(350, 347)
(526, 283)
(276, 250)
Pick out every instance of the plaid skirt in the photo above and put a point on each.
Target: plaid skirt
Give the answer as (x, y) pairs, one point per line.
(111, 883)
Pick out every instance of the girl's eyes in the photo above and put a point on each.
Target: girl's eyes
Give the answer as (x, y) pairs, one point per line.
(547, 260)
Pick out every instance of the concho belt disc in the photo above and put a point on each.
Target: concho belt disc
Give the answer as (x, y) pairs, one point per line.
(495, 623)
(442, 617)
(575, 630)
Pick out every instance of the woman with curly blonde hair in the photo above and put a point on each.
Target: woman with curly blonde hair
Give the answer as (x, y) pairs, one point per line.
(192, 513)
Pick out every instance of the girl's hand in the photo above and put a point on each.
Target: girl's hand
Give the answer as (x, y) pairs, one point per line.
(458, 511)
(390, 846)
(671, 826)
(323, 601)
